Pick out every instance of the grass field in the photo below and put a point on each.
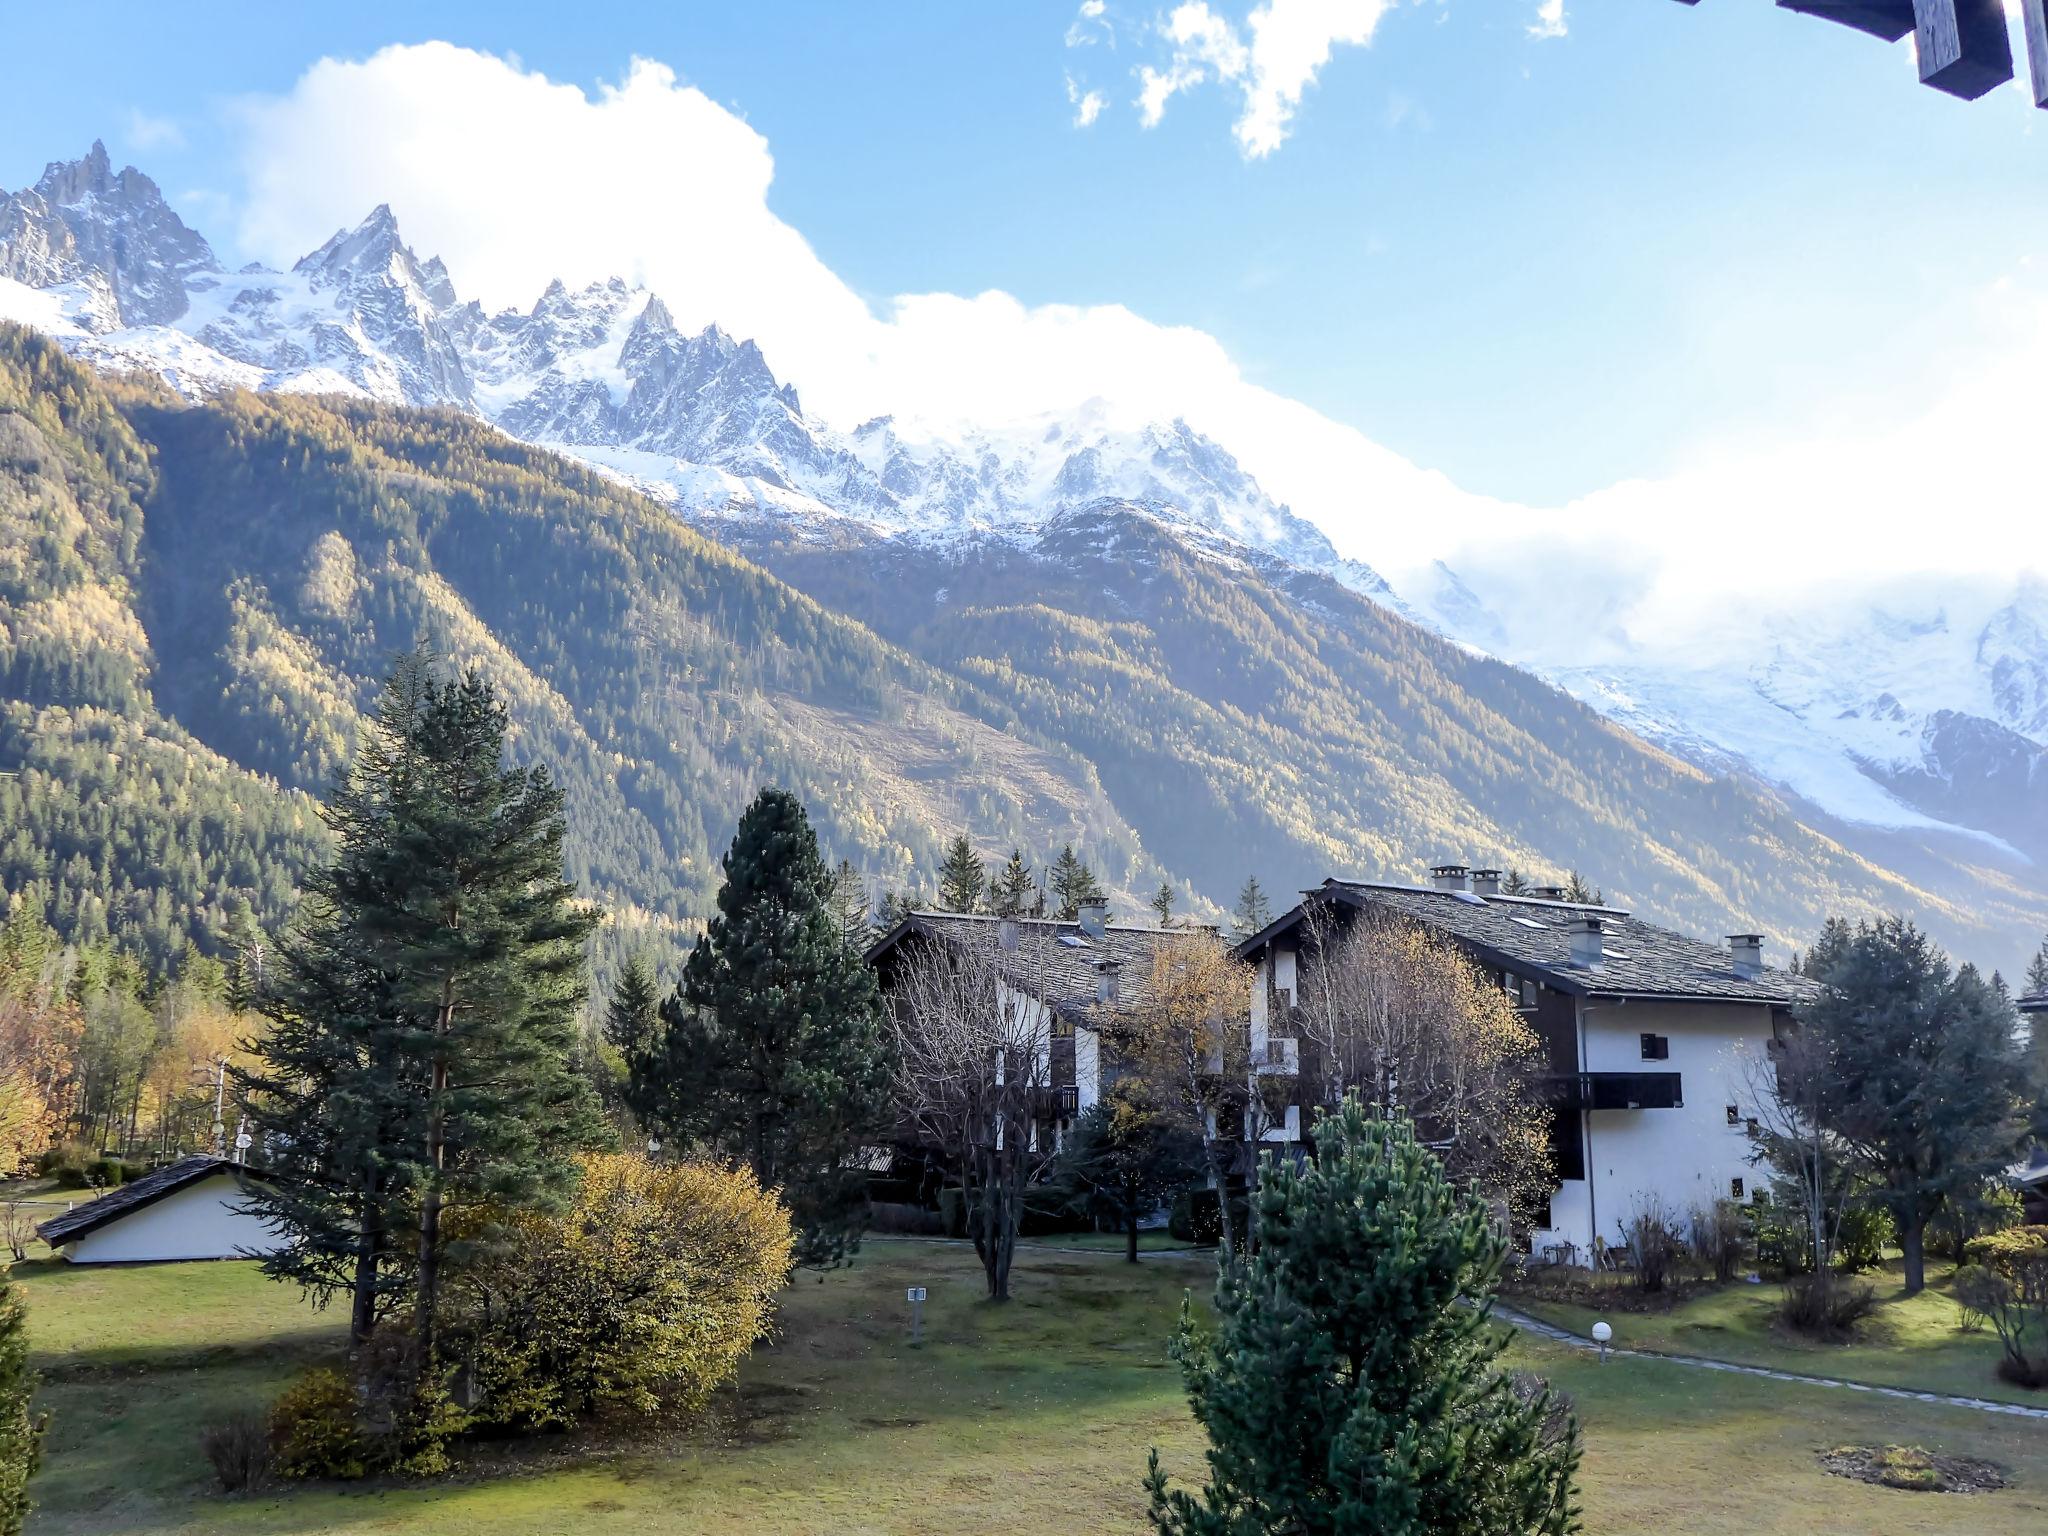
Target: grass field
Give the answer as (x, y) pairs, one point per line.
(1027, 1418)
(1911, 1341)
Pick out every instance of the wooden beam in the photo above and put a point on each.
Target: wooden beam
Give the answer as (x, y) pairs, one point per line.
(1964, 46)
(2034, 22)
(1888, 19)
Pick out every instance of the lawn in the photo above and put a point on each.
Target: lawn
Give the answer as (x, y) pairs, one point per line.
(1031, 1417)
(1911, 1341)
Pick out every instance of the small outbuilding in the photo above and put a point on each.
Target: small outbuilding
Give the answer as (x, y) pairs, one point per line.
(195, 1208)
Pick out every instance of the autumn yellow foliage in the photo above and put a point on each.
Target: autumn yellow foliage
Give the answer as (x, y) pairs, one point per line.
(644, 1297)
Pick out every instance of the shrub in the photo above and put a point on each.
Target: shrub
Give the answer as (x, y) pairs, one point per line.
(1824, 1306)
(1965, 1216)
(316, 1429)
(21, 1427)
(106, 1173)
(1976, 1293)
(644, 1297)
(1865, 1232)
(1782, 1240)
(2012, 1292)
(1718, 1240)
(1654, 1245)
(953, 1212)
(238, 1448)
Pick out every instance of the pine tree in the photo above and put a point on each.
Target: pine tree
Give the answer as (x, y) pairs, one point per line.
(1254, 911)
(1514, 883)
(1073, 886)
(1349, 1381)
(1013, 893)
(895, 907)
(773, 1051)
(1836, 934)
(334, 1099)
(1162, 904)
(1576, 889)
(1126, 1156)
(1919, 1073)
(21, 1428)
(962, 877)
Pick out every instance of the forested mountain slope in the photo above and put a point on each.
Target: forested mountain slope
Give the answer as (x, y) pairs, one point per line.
(197, 602)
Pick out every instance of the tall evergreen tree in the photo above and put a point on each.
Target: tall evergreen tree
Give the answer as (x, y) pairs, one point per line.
(1514, 883)
(1127, 1155)
(1349, 1382)
(21, 1427)
(962, 877)
(1577, 889)
(773, 1051)
(1072, 884)
(1013, 893)
(1836, 934)
(1921, 1076)
(1253, 912)
(632, 1015)
(895, 907)
(850, 906)
(2036, 980)
(334, 1097)
(1162, 903)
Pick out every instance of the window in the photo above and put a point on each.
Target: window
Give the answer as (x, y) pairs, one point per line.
(1528, 994)
(1283, 998)
(1735, 1189)
(1528, 922)
(1734, 1115)
(1062, 1029)
(1656, 1048)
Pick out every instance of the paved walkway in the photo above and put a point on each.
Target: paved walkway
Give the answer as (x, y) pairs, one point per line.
(1572, 1340)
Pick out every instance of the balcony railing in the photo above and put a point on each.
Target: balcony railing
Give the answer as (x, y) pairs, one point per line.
(1616, 1090)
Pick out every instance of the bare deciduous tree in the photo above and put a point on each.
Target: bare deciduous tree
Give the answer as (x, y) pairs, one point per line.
(974, 1068)
(1400, 1016)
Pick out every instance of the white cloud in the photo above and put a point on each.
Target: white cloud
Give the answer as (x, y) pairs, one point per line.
(146, 131)
(1087, 105)
(1289, 43)
(515, 180)
(1091, 25)
(1550, 19)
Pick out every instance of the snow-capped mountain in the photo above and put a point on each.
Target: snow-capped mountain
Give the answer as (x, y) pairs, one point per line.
(1923, 716)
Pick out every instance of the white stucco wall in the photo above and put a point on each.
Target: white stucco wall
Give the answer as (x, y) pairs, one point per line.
(1684, 1157)
(201, 1221)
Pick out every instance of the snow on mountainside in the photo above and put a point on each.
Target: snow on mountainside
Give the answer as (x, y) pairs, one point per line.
(1935, 719)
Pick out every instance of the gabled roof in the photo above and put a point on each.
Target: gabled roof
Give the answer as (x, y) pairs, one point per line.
(1532, 937)
(2036, 1002)
(129, 1198)
(1058, 963)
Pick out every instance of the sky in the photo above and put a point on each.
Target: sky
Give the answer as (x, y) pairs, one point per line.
(1642, 304)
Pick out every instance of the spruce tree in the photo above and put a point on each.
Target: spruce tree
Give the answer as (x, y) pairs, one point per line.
(1013, 893)
(1162, 903)
(1349, 1383)
(1577, 889)
(773, 1050)
(1073, 885)
(962, 877)
(1514, 883)
(1253, 912)
(21, 1428)
(850, 906)
(632, 1018)
(2036, 980)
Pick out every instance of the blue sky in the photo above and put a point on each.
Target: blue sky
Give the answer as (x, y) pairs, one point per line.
(1541, 266)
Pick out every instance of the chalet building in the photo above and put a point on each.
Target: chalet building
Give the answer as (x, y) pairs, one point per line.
(1061, 986)
(195, 1208)
(1647, 1035)
(2030, 1177)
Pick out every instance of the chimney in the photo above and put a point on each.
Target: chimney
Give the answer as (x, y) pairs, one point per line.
(1108, 976)
(1746, 950)
(1587, 946)
(1447, 877)
(1547, 892)
(1006, 935)
(1094, 917)
(1486, 882)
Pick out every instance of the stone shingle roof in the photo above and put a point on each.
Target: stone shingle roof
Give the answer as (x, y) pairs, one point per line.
(147, 1190)
(1532, 938)
(1057, 963)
